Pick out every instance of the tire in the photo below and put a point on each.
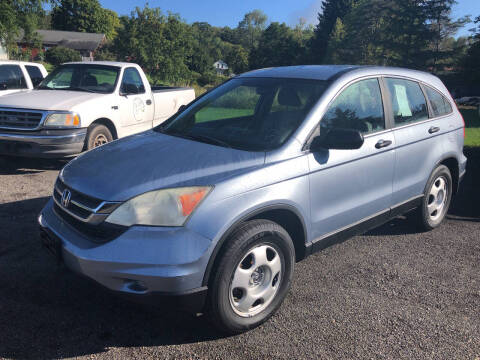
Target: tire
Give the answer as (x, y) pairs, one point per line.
(436, 199)
(97, 135)
(256, 242)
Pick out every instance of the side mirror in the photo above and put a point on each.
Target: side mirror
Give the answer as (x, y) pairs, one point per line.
(340, 139)
(3, 87)
(130, 89)
(181, 108)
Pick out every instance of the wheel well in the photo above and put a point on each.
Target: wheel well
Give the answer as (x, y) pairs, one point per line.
(291, 223)
(452, 165)
(286, 218)
(109, 124)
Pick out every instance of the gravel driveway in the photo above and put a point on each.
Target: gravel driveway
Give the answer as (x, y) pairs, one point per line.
(392, 293)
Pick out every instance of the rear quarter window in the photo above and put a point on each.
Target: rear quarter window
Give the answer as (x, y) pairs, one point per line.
(439, 104)
(35, 74)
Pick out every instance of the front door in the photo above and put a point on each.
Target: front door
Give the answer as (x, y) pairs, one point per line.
(136, 106)
(349, 187)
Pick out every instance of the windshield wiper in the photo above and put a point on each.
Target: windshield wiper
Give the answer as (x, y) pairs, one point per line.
(196, 137)
(79, 89)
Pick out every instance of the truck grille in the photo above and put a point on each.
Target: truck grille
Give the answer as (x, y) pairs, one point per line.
(18, 119)
(85, 214)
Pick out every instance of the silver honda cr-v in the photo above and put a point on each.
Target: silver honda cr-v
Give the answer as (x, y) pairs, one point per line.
(212, 209)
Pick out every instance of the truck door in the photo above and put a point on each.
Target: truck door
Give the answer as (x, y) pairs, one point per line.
(136, 105)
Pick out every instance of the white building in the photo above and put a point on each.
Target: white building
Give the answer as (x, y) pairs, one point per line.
(220, 67)
(3, 53)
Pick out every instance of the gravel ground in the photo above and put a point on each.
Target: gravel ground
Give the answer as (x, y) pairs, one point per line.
(392, 293)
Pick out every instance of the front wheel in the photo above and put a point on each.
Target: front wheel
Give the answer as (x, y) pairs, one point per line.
(436, 199)
(253, 276)
(97, 135)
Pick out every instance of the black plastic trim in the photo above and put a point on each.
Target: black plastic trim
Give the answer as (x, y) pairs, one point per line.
(363, 226)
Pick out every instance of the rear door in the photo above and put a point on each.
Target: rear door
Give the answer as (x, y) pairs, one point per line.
(418, 137)
(350, 187)
(136, 107)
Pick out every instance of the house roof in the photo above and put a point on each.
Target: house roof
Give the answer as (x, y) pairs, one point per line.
(70, 39)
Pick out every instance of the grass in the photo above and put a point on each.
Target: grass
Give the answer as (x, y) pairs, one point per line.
(216, 113)
(472, 125)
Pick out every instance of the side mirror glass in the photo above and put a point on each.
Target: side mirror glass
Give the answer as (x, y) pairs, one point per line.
(339, 139)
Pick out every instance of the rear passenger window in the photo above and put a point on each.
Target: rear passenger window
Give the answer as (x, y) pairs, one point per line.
(440, 105)
(358, 107)
(408, 102)
(35, 74)
(11, 77)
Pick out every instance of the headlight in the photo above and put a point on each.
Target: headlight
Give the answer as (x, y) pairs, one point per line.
(167, 207)
(62, 120)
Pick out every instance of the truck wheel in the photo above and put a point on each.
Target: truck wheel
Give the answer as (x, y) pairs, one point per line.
(97, 135)
(436, 199)
(252, 278)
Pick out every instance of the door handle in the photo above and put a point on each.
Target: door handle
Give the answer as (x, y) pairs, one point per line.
(433, 129)
(149, 102)
(383, 143)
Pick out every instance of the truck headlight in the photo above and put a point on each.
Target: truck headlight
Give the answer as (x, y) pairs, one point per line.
(62, 120)
(166, 207)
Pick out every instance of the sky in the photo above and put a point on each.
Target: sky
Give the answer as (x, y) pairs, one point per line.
(229, 13)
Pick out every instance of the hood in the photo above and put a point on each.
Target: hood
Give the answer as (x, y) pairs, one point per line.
(149, 161)
(47, 99)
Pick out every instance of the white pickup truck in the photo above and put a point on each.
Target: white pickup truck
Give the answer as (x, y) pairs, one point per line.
(80, 106)
(18, 76)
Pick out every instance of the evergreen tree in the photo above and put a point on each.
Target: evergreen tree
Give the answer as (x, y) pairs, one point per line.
(327, 18)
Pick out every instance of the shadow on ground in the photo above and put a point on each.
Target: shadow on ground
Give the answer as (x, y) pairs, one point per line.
(20, 165)
(47, 311)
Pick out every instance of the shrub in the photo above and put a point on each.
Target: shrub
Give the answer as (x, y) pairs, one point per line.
(59, 55)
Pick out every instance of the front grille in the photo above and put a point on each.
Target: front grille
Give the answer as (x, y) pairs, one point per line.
(100, 233)
(20, 119)
(85, 213)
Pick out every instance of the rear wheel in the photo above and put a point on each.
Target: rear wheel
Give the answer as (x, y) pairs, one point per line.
(97, 135)
(436, 200)
(253, 276)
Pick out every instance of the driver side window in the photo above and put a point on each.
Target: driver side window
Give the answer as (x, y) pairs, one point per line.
(358, 107)
(132, 79)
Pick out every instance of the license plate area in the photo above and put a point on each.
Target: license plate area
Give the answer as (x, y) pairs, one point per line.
(52, 244)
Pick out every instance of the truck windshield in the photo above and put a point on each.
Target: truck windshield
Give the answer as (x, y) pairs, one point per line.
(253, 114)
(82, 77)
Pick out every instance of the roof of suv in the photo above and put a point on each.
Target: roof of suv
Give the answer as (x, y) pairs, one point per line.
(329, 72)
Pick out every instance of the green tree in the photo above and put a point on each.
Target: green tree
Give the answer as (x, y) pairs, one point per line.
(471, 62)
(84, 16)
(20, 17)
(59, 55)
(250, 29)
(236, 57)
(327, 18)
(278, 46)
(161, 44)
(335, 42)
(442, 29)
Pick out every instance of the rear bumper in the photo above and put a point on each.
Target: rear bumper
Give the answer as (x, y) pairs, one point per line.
(43, 143)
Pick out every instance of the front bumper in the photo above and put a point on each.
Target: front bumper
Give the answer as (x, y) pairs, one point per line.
(42, 143)
(147, 264)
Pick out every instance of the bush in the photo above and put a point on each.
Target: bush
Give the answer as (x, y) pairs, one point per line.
(59, 55)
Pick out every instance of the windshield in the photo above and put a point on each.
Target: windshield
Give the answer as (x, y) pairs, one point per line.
(82, 77)
(253, 114)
